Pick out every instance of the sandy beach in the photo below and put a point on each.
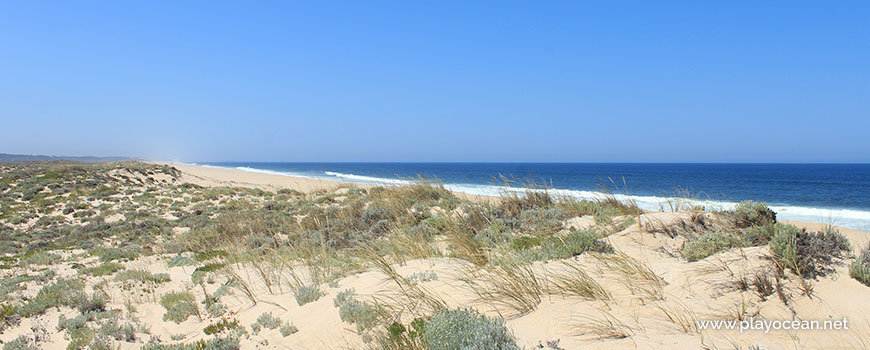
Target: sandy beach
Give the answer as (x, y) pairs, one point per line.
(638, 293)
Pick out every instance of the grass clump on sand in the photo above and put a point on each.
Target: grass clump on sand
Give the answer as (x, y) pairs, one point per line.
(179, 306)
(364, 315)
(63, 292)
(752, 213)
(709, 244)
(466, 329)
(808, 254)
(268, 321)
(860, 269)
(307, 294)
(23, 342)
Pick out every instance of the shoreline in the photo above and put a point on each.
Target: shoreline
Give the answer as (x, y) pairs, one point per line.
(217, 176)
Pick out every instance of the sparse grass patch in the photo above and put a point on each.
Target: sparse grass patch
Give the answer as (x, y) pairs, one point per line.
(104, 269)
(143, 276)
(511, 283)
(575, 281)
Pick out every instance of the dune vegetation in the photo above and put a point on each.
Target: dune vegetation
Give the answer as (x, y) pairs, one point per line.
(130, 255)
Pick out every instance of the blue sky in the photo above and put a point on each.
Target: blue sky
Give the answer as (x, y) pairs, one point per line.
(695, 81)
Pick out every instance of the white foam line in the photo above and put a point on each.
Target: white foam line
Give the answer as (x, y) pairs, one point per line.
(850, 218)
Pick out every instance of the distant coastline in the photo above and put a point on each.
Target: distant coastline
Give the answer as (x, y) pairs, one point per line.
(858, 219)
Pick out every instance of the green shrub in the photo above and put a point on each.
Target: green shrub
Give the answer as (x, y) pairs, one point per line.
(307, 294)
(201, 272)
(364, 315)
(752, 213)
(23, 342)
(179, 306)
(574, 243)
(63, 292)
(709, 244)
(268, 321)
(465, 329)
(808, 254)
(525, 242)
(860, 269)
(401, 337)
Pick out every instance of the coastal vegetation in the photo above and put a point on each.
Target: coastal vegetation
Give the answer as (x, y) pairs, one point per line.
(111, 243)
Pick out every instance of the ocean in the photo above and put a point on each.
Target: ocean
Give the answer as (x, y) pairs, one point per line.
(836, 194)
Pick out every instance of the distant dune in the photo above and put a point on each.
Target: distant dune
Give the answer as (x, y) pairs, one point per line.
(6, 157)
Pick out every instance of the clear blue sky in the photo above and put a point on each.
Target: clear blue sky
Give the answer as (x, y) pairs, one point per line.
(694, 81)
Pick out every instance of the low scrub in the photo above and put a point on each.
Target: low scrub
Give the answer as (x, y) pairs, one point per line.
(860, 269)
(179, 306)
(752, 213)
(268, 321)
(466, 329)
(307, 294)
(808, 254)
(364, 315)
(709, 244)
(63, 292)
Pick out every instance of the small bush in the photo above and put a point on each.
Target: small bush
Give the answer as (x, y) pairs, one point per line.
(288, 329)
(63, 292)
(808, 254)
(752, 213)
(709, 244)
(860, 269)
(465, 329)
(574, 243)
(268, 321)
(201, 272)
(23, 342)
(307, 294)
(363, 315)
(525, 242)
(179, 306)
(401, 337)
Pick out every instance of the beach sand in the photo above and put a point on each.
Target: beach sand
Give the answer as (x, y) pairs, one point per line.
(639, 313)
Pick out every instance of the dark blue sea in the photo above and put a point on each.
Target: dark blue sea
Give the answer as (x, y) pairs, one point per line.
(829, 193)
